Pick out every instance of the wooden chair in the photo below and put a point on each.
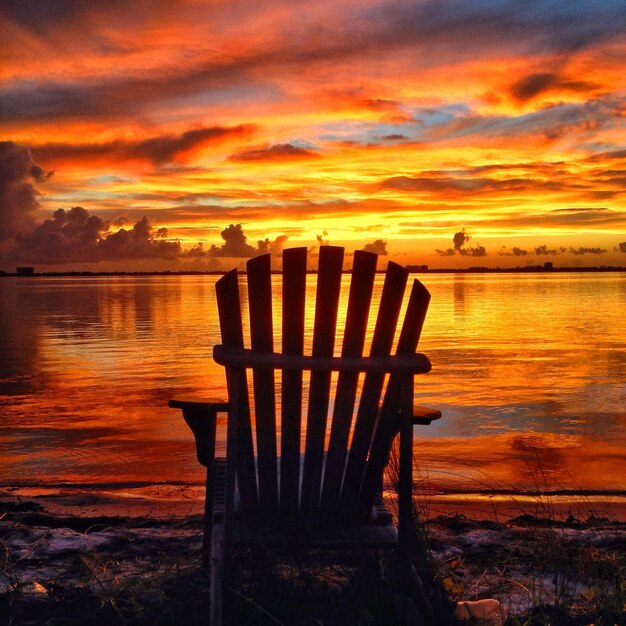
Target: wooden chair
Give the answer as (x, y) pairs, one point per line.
(328, 491)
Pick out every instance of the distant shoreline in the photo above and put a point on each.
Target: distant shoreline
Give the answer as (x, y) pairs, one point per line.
(414, 269)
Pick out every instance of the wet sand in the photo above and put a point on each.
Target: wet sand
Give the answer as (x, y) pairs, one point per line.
(169, 501)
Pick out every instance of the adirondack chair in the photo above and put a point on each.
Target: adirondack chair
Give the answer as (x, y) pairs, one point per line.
(326, 492)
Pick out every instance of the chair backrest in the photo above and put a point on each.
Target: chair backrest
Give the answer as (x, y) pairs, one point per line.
(345, 452)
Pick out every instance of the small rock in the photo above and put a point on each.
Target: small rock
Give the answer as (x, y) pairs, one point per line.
(486, 612)
(35, 590)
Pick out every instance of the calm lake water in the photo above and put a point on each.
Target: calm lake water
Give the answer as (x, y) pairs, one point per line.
(529, 371)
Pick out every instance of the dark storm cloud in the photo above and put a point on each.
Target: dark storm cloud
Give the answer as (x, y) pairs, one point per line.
(139, 242)
(277, 152)
(18, 197)
(76, 236)
(160, 149)
(71, 235)
(620, 247)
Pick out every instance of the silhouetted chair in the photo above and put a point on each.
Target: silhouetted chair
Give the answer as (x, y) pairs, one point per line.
(328, 494)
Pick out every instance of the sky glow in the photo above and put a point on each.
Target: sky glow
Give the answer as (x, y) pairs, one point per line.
(398, 124)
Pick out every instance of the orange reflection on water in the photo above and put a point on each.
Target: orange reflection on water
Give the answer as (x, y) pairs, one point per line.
(529, 371)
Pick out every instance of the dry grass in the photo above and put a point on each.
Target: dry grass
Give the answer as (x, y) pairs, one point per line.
(543, 571)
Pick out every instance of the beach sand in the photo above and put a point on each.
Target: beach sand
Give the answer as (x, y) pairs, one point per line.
(132, 555)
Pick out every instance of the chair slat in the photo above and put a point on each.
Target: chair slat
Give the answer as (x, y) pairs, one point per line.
(229, 308)
(359, 300)
(326, 305)
(294, 290)
(389, 423)
(261, 337)
(384, 331)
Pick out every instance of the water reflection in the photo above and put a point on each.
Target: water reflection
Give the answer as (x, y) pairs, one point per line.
(459, 296)
(528, 369)
(20, 372)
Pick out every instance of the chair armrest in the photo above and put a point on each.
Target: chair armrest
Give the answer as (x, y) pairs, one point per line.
(200, 415)
(218, 405)
(424, 415)
(244, 357)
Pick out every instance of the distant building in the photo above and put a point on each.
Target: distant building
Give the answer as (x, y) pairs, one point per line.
(548, 265)
(25, 271)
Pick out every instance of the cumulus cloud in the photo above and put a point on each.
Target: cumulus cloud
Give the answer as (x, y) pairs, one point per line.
(235, 244)
(582, 250)
(275, 248)
(379, 246)
(75, 236)
(19, 202)
(459, 240)
(514, 251)
(543, 250)
(196, 252)
(620, 247)
(139, 242)
(446, 252)
(475, 251)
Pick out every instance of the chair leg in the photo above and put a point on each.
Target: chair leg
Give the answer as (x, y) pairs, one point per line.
(216, 576)
(207, 526)
(405, 484)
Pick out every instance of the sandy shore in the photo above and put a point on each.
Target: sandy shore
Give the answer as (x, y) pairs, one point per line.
(130, 554)
(181, 500)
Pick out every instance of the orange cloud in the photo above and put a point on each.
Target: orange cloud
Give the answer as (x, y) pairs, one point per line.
(278, 152)
(158, 149)
(375, 121)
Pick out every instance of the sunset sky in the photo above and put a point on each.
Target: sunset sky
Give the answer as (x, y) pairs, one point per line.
(451, 133)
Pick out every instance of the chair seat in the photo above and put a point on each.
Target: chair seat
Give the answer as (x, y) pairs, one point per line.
(378, 532)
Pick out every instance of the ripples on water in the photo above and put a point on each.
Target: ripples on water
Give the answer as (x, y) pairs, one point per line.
(528, 369)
